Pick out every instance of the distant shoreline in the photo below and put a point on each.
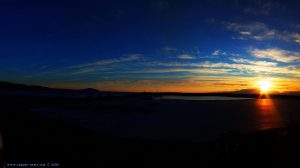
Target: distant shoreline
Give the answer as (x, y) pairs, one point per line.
(7, 88)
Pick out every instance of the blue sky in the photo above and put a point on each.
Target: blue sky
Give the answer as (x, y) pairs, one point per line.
(211, 45)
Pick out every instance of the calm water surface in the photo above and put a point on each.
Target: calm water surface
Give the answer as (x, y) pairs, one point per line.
(202, 98)
(191, 120)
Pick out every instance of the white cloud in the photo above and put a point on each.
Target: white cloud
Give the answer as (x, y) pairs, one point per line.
(258, 31)
(246, 33)
(297, 38)
(241, 66)
(276, 54)
(246, 27)
(185, 56)
(259, 63)
(218, 52)
(191, 70)
(253, 69)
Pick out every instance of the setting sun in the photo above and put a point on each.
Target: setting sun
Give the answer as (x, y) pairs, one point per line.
(264, 86)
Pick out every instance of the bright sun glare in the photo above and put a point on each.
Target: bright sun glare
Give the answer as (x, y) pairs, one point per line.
(264, 85)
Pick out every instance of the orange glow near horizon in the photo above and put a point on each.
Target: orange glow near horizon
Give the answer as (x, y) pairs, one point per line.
(249, 85)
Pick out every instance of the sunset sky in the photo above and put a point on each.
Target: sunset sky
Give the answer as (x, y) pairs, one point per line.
(151, 45)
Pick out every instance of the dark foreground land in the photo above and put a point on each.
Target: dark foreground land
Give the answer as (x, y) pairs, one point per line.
(31, 138)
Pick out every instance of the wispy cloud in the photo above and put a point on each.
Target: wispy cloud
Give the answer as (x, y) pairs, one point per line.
(86, 70)
(259, 63)
(259, 31)
(168, 50)
(245, 33)
(101, 65)
(186, 56)
(250, 28)
(263, 7)
(297, 38)
(166, 64)
(276, 54)
(96, 66)
(125, 58)
(218, 53)
(191, 70)
(254, 69)
(241, 66)
(230, 84)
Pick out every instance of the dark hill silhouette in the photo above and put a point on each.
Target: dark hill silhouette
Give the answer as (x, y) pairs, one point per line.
(247, 91)
(33, 90)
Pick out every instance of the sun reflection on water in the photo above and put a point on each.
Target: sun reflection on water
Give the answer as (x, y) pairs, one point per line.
(267, 115)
